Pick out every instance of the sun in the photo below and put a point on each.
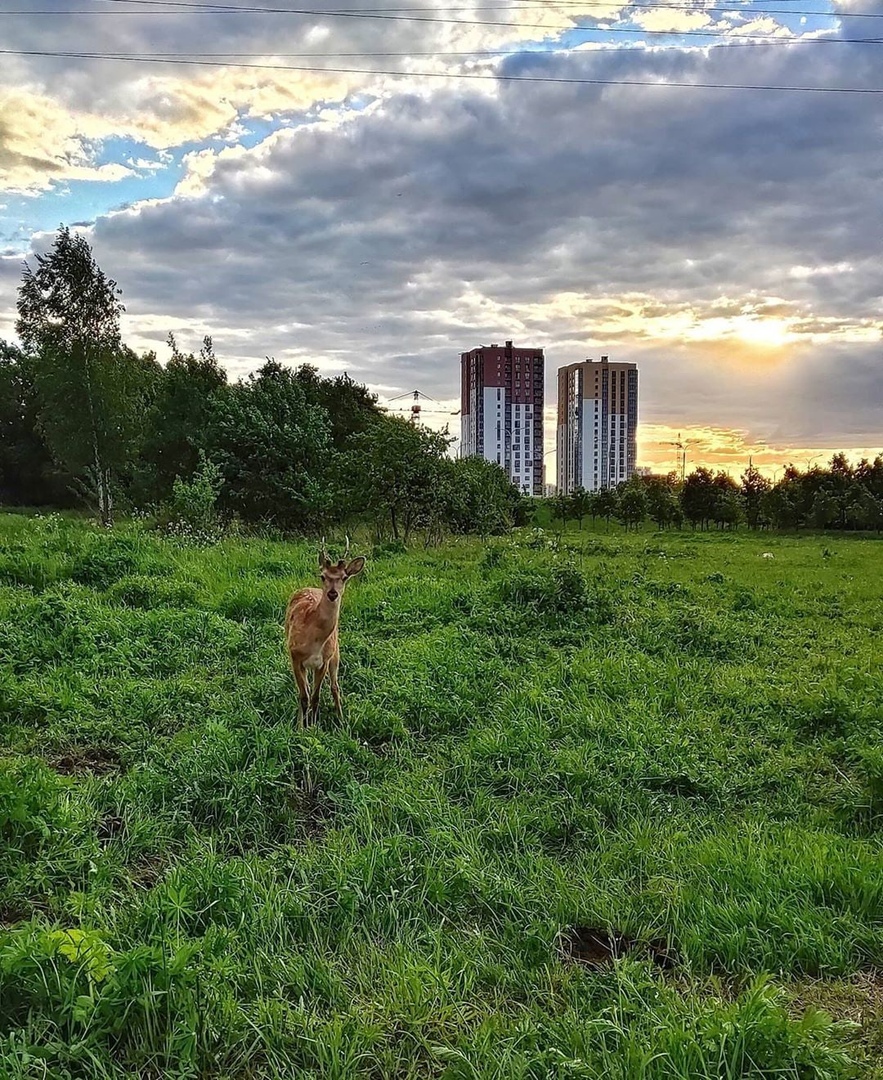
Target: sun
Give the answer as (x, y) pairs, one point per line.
(766, 333)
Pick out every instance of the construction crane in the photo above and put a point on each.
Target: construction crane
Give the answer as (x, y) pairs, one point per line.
(416, 409)
(681, 465)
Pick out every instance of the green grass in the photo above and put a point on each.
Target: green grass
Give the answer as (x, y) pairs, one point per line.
(665, 735)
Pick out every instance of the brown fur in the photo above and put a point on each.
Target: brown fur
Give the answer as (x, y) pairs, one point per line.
(311, 634)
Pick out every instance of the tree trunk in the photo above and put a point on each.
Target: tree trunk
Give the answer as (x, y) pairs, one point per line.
(105, 498)
(102, 474)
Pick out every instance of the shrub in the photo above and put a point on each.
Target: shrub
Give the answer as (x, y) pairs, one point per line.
(560, 589)
(192, 511)
(110, 558)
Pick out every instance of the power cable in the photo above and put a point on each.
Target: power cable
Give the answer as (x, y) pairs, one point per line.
(185, 7)
(492, 76)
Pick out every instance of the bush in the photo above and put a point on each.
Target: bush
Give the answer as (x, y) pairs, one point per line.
(111, 558)
(561, 589)
(192, 510)
(388, 549)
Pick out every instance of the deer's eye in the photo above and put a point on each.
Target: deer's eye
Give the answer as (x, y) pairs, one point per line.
(322, 576)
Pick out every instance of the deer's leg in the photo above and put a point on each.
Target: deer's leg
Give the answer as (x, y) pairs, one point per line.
(333, 667)
(303, 690)
(318, 679)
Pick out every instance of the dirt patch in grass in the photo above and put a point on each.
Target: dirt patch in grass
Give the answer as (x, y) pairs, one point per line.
(18, 911)
(597, 947)
(857, 999)
(98, 760)
(146, 871)
(110, 827)
(314, 810)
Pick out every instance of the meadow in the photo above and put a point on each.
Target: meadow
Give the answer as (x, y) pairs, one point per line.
(662, 742)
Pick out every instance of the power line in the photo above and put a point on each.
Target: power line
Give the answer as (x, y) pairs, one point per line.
(754, 39)
(475, 53)
(492, 76)
(215, 6)
(182, 7)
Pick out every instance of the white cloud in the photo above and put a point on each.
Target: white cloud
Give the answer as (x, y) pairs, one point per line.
(720, 239)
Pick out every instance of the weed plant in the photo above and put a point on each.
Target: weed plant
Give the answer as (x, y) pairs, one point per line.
(666, 736)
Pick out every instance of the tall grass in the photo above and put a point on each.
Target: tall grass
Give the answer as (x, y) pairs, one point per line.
(664, 735)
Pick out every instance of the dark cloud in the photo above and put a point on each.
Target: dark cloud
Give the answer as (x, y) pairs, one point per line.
(585, 218)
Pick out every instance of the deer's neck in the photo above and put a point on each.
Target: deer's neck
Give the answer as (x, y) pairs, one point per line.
(327, 614)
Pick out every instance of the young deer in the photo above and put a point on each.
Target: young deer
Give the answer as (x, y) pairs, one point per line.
(311, 631)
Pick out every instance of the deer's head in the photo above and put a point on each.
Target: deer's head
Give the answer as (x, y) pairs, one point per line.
(335, 575)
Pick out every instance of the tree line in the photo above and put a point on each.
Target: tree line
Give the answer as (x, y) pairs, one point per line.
(86, 419)
(839, 496)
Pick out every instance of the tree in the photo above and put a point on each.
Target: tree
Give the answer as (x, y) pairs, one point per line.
(581, 504)
(395, 472)
(726, 502)
(606, 503)
(479, 497)
(780, 504)
(273, 449)
(28, 474)
(825, 510)
(864, 510)
(178, 427)
(561, 508)
(754, 486)
(662, 502)
(698, 497)
(631, 505)
(92, 391)
(351, 407)
(870, 475)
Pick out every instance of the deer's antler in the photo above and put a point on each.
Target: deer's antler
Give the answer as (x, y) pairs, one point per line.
(346, 554)
(324, 552)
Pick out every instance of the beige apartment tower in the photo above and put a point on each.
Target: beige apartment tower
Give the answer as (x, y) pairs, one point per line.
(597, 424)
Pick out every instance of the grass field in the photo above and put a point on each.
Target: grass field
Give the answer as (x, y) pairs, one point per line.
(668, 737)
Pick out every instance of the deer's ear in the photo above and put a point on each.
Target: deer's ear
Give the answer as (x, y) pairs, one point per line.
(355, 567)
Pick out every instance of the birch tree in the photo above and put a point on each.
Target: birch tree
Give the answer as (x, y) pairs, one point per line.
(91, 388)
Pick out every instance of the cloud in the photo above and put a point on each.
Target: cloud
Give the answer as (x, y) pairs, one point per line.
(723, 240)
(169, 102)
(41, 144)
(670, 19)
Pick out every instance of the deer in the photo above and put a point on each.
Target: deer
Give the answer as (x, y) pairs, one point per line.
(311, 632)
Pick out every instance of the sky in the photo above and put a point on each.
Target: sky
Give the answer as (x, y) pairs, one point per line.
(692, 187)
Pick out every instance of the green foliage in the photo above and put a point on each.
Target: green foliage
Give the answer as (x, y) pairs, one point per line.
(558, 589)
(582, 503)
(92, 391)
(28, 475)
(192, 510)
(396, 471)
(351, 408)
(606, 503)
(631, 505)
(709, 498)
(272, 448)
(755, 487)
(477, 497)
(178, 427)
(675, 739)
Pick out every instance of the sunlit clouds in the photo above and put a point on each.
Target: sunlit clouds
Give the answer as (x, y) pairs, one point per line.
(330, 189)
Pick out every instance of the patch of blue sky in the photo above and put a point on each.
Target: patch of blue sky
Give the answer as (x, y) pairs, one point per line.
(735, 14)
(152, 174)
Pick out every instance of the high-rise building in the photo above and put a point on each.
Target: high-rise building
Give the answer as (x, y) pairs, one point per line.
(501, 411)
(597, 424)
